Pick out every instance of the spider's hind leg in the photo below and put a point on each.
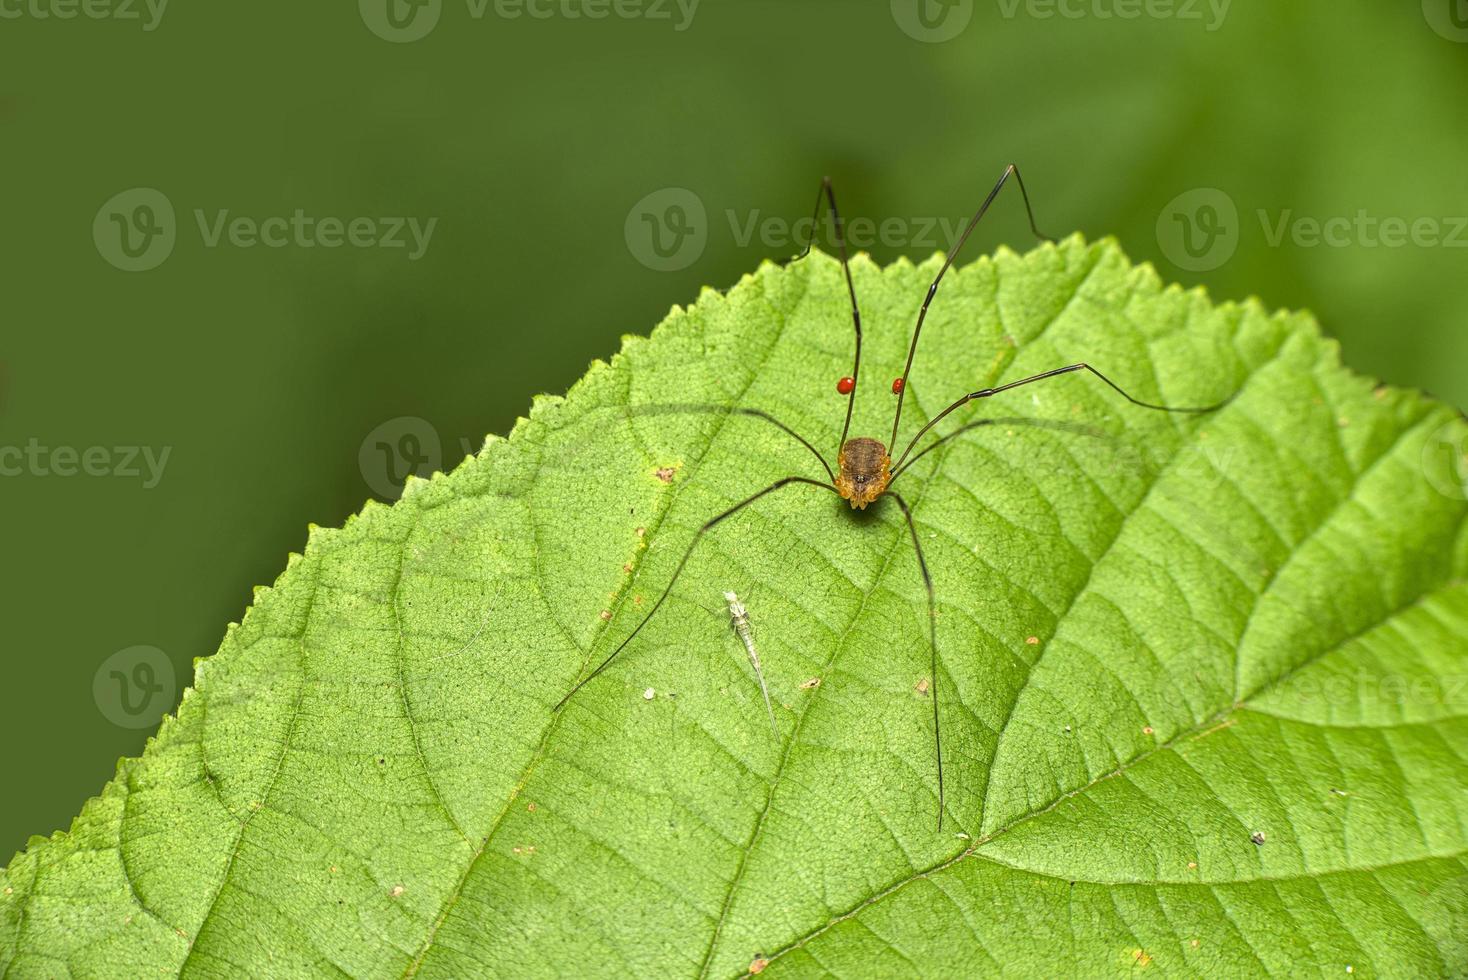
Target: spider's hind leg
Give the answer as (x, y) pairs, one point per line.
(932, 642)
(707, 526)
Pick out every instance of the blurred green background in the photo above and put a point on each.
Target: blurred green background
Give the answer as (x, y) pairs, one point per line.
(285, 381)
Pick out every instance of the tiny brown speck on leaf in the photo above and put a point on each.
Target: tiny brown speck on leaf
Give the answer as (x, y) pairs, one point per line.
(665, 473)
(640, 531)
(1142, 958)
(922, 686)
(1257, 837)
(813, 682)
(758, 965)
(627, 568)
(396, 891)
(1032, 640)
(1194, 944)
(531, 807)
(1192, 865)
(334, 869)
(606, 614)
(1147, 730)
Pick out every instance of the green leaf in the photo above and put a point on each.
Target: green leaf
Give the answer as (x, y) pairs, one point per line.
(1204, 679)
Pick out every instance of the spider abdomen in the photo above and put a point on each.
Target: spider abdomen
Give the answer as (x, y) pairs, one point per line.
(865, 471)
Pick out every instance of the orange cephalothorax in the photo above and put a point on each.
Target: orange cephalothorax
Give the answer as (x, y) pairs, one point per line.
(865, 471)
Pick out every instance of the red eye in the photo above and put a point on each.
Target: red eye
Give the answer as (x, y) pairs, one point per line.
(897, 384)
(845, 385)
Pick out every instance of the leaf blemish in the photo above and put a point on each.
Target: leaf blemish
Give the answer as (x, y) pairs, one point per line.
(666, 473)
(813, 682)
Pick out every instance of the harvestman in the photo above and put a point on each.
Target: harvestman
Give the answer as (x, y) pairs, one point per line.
(865, 471)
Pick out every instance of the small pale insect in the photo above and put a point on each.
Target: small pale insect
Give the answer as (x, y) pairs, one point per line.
(739, 619)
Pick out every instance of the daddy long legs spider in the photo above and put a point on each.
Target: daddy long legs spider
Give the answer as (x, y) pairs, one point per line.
(865, 470)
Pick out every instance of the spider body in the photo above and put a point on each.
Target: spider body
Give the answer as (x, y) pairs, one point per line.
(866, 469)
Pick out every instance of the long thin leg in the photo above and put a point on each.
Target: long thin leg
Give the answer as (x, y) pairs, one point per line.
(1058, 426)
(1082, 366)
(690, 409)
(707, 526)
(830, 195)
(947, 262)
(932, 642)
